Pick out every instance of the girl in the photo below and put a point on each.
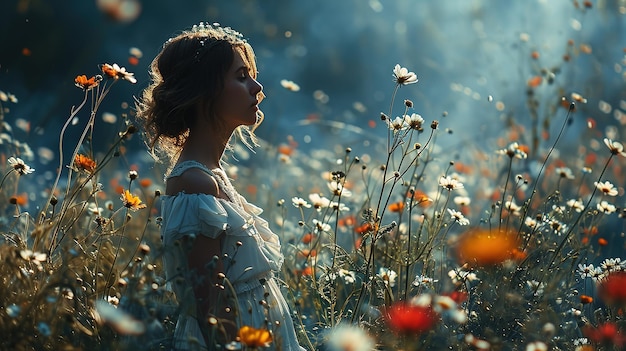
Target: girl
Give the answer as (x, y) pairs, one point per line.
(219, 255)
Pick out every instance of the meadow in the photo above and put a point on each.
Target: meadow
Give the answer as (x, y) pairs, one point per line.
(408, 245)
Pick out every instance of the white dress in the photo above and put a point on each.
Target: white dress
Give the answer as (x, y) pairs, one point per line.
(253, 252)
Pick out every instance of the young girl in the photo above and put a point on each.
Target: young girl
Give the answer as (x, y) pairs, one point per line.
(220, 257)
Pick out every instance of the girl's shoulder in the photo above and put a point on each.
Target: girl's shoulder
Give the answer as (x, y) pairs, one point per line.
(191, 177)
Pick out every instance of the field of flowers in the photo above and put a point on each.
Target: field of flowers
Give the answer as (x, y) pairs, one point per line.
(407, 245)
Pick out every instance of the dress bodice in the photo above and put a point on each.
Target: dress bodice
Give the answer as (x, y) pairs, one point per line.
(249, 248)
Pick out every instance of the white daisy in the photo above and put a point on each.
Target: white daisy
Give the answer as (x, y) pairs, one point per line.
(403, 76)
(414, 121)
(458, 217)
(462, 200)
(450, 183)
(388, 276)
(300, 202)
(348, 337)
(606, 188)
(606, 207)
(577, 205)
(348, 276)
(565, 172)
(586, 271)
(615, 147)
(397, 124)
(20, 166)
(513, 150)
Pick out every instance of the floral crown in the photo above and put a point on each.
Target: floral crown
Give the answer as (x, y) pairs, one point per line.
(205, 31)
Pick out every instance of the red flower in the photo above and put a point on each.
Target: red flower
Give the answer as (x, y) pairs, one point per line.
(612, 289)
(405, 318)
(457, 296)
(606, 333)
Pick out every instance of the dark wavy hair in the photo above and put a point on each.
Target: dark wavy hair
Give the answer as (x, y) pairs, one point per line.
(187, 75)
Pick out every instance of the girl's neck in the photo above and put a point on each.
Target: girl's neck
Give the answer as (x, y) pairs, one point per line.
(206, 149)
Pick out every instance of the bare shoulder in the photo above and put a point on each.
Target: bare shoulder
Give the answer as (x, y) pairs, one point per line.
(192, 181)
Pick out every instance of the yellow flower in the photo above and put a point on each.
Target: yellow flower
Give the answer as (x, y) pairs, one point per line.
(131, 201)
(86, 83)
(84, 163)
(252, 337)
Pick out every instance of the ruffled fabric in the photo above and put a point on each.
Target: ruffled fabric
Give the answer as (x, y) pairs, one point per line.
(271, 247)
(253, 255)
(248, 256)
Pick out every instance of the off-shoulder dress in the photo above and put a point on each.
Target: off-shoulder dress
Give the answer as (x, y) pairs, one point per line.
(251, 254)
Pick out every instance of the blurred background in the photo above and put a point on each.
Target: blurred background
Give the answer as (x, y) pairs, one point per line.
(481, 64)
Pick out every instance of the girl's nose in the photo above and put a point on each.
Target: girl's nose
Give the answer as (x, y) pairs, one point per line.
(256, 87)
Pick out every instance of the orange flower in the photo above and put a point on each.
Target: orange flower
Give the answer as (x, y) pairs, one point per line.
(285, 150)
(306, 271)
(518, 255)
(524, 148)
(420, 198)
(145, 182)
(593, 230)
(534, 81)
(603, 242)
(396, 206)
(19, 199)
(483, 247)
(84, 163)
(307, 238)
(252, 337)
(358, 242)
(364, 228)
(116, 72)
(463, 168)
(585, 299)
(131, 201)
(109, 71)
(86, 83)
(346, 221)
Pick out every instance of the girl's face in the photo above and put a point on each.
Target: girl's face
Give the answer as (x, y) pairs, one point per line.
(238, 102)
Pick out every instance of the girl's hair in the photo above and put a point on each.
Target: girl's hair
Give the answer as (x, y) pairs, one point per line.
(187, 76)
